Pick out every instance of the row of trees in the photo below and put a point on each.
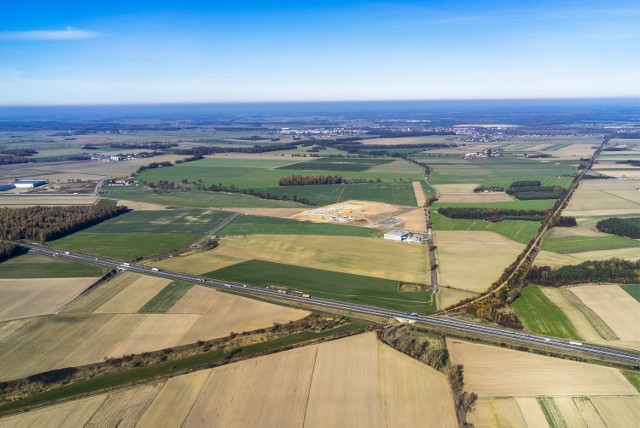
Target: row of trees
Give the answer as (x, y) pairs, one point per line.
(153, 165)
(629, 227)
(481, 189)
(47, 223)
(492, 214)
(302, 180)
(613, 270)
(18, 152)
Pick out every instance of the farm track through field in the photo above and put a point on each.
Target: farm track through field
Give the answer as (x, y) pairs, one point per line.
(534, 247)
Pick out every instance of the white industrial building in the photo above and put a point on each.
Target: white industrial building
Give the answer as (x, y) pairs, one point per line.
(397, 235)
(403, 236)
(28, 184)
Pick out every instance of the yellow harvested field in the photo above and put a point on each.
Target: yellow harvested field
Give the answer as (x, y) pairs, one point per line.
(196, 262)
(570, 412)
(31, 297)
(140, 206)
(132, 298)
(154, 331)
(549, 258)
(618, 411)
(629, 174)
(267, 212)
(352, 382)
(223, 313)
(360, 256)
(124, 408)
(578, 319)
(463, 193)
(405, 382)
(497, 412)
(421, 198)
(605, 197)
(43, 344)
(75, 339)
(103, 293)
(23, 201)
(415, 220)
(469, 249)
(531, 411)
(130, 334)
(616, 307)
(465, 188)
(270, 391)
(449, 296)
(356, 381)
(72, 414)
(9, 328)
(491, 371)
(174, 402)
(474, 197)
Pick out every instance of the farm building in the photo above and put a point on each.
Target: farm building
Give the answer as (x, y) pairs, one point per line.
(404, 236)
(4, 187)
(28, 184)
(397, 235)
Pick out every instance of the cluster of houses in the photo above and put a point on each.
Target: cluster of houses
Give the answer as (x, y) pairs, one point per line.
(486, 153)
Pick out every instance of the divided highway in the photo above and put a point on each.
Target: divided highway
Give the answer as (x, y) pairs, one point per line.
(433, 320)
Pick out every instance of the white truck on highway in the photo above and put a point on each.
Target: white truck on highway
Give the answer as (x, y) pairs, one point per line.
(155, 269)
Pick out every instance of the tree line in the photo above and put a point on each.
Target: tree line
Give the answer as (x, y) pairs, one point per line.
(153, 165)
(303, 180)
(533, 190)
(492, 214)
(8, 250)
(48, 223)
(597, 271)
(629, 227)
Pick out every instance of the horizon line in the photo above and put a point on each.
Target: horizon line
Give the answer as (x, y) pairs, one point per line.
(399, 100)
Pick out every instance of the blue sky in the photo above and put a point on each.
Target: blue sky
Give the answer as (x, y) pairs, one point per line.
(71, 52)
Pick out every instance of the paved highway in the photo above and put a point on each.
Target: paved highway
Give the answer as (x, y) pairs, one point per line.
(433, 320)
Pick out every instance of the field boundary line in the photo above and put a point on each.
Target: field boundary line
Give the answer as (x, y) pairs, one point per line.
(306, 404)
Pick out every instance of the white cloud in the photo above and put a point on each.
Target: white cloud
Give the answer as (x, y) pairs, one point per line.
(68, 33)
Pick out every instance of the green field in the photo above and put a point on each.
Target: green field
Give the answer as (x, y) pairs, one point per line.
(396, 193)
(139, 234)
(331, 285)
(124, 246)
(192, 221)
(165, 299)
(498, 171)
(539, 315)
(252, 225)
(198, 199)
(633, 378)
(519, 230)
(633, 289)
(577, 244)
(261, 173)
(32, 265)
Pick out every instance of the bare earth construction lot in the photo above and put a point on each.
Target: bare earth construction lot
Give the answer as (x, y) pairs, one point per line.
(354, 382)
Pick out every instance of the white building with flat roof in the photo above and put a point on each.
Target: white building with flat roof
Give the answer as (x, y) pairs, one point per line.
(397, 235)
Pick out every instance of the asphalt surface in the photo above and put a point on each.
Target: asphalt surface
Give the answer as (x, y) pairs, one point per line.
(433, 320)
